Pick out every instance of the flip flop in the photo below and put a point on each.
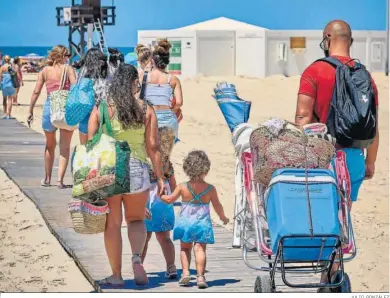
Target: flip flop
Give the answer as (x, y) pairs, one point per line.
(44, 183)
(63, 186)
(140, 277)
(112, 282)
(171, 274)
(185, 280)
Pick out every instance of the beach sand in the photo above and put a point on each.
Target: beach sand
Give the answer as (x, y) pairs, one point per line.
(31, 258)
(204, 128)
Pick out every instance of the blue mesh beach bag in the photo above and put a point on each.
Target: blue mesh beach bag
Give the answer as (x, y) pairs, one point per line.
(234, 109)
(80, 101)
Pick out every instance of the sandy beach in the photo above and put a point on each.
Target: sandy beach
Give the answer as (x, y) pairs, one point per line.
(31, 258)
(204, 128)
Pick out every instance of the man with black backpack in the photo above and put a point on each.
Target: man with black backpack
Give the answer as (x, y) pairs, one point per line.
(338, 91)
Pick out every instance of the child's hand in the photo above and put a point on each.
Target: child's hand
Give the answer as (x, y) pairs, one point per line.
(165, 199)
(148, 214)
(225, 220)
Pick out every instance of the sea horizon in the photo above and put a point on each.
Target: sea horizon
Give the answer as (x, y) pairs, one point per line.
(14, 51)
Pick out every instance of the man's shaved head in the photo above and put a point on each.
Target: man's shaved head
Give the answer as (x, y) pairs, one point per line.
(338, 30)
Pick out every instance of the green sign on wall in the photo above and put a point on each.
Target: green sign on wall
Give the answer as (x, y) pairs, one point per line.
(174, 66)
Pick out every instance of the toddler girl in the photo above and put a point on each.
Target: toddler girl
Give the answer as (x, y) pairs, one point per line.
(193, 226)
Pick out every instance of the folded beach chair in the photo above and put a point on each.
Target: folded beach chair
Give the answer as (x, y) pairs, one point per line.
(235, 110)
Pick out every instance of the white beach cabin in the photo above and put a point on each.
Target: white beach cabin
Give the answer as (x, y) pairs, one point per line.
(219, 47)
(226, 47)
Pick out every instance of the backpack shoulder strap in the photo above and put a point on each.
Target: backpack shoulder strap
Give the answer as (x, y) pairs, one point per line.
(143, 86)
(332, 61)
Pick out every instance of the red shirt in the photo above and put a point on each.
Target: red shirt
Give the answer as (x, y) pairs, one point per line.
(317, 82)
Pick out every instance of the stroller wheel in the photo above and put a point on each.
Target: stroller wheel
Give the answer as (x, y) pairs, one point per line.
(263, 284)
(345, 287)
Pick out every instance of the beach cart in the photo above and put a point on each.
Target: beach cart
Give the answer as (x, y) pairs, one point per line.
(297, 224)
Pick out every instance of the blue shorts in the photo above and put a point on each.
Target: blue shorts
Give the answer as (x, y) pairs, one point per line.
(169, 119)
(356, 165)
(46, 122)
(83, 125)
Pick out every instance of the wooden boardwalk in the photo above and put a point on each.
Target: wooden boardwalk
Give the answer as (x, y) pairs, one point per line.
(21, 157)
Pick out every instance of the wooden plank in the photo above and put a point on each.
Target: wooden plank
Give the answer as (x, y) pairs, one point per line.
(226, 271)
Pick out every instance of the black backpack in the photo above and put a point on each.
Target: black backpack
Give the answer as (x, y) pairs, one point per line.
(352, 113)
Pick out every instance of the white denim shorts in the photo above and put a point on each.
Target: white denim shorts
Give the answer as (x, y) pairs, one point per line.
(139, 176)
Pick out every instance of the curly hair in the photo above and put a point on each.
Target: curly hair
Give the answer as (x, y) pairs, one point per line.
(166, 137)
(196, 164)
(95, 64)
(161, 54)
(57, 55)
(130, 113)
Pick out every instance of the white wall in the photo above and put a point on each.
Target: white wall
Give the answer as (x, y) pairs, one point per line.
(216, 52)
(256, 51)
(250, 53)
(295, 64)
(188, 48)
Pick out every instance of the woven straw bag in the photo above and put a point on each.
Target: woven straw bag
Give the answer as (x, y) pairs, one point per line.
(88, 218)
(286, 150)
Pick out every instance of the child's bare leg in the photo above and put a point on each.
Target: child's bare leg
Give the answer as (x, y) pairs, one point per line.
(168, 249)
(200, 258)
(148, 236)
(185, 257)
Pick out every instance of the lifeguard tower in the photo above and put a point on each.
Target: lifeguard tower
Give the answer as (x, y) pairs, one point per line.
(86, 17)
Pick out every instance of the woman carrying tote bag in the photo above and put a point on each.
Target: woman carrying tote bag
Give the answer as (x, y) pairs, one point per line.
(51, 77)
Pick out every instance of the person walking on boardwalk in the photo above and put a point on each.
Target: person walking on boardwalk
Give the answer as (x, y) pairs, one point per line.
(18, 70)
(317, 103)
(160, 217)
(161, 87)
(193, 227)
(94, 66)
(51, 76)
(133, 121)
(7, 87)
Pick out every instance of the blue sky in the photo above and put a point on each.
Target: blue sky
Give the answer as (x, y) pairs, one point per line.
(33, 23)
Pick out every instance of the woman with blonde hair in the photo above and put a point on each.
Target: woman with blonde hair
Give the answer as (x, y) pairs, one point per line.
(161, 87)
(7, 87)
(51, 76)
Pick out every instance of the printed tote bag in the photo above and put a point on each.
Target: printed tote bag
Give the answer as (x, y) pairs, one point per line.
(81, 99)
(100, 168)
(57, 104)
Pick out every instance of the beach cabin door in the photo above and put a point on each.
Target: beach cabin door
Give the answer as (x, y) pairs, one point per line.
(216, 50)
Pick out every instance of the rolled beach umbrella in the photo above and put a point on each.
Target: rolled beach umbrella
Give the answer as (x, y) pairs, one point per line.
(131, 58)
(234, 109)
